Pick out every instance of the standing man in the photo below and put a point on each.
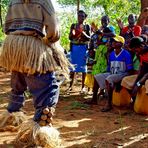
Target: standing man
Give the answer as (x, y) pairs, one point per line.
(130, 30)
(31, 56)
(79, 38)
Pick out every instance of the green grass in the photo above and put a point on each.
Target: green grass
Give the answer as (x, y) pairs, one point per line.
(77, 105)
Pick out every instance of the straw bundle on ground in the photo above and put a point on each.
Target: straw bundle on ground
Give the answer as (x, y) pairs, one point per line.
(32, 135)
(11, 121)
(14, 119)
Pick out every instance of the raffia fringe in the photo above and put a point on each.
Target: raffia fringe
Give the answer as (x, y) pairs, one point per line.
(30, 134)
(13, 119)
(27, 54)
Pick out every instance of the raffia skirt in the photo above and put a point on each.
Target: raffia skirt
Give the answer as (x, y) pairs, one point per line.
(28, 54)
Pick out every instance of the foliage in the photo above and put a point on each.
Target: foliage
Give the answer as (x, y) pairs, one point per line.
(73, 2)
(2, 36)
(119, 8)
(95, 9)
(78, 105)
(3, 6)
(65, 22)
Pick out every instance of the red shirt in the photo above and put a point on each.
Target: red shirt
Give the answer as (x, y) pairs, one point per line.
(136, 30)
(144, 58)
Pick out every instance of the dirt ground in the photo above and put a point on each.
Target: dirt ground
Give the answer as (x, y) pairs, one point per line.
(83, 126)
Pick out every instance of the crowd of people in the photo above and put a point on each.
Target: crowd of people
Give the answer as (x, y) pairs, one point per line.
(108, 60)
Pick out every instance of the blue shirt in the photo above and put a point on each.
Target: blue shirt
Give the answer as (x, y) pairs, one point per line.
(120, 63)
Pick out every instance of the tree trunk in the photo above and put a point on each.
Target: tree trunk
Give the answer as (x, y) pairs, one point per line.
(78, 5)
(1, 21)
(144, 4)
(143, 18)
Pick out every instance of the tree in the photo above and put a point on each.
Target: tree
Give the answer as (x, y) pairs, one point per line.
(115, 7)
(144, 4)
(78, 5)
(3, 9)
(143, 18)
(1, 21)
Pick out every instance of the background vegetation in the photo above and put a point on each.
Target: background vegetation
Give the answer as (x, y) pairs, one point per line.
(94, 8)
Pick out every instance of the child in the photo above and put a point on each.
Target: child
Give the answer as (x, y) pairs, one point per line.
(101, 53)
(89, 79)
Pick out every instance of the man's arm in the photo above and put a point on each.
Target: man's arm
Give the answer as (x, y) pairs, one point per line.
(141, 78)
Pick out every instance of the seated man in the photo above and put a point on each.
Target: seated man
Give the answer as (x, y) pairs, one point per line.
(119, 65)
(141, 49)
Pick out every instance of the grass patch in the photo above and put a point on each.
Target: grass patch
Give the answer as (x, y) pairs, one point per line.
(78, 105)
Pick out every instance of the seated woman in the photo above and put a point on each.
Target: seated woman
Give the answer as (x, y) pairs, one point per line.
(141, 49)
(138, 45)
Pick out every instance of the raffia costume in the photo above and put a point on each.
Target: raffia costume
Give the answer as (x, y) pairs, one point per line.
(33, 57)
(23, 49)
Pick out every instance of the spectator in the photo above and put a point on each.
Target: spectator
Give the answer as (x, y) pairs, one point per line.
(141, 49)
(145, 30)
(79, 38)
(89, 79)
(129, 31)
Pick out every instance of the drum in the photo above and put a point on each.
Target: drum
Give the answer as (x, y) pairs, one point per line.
(121, 98)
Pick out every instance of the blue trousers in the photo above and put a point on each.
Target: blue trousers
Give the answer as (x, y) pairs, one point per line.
(43, 87)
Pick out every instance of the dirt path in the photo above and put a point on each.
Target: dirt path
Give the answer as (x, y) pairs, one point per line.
(84, 126)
